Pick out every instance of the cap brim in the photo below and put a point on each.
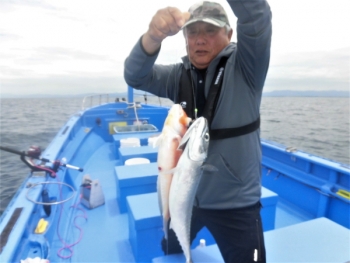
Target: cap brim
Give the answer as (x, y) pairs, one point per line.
(211, 21)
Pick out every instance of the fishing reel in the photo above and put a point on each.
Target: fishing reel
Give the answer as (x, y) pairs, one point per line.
(34, 151)
(33, 154)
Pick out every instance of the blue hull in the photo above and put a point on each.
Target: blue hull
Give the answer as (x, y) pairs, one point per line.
(306, 199)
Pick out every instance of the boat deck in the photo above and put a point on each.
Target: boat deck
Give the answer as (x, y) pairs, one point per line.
(303, 242)
(106, 232)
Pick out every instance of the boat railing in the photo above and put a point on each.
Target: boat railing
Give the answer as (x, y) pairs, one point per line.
(103, 98)
(99, 99)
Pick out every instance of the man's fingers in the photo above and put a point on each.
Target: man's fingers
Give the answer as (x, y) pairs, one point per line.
(167, 22)
(186, 16)
(177, 16)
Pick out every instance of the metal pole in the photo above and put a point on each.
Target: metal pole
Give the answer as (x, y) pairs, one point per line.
(130, 94)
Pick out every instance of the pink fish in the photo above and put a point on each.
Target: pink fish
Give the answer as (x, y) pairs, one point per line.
(175, 126)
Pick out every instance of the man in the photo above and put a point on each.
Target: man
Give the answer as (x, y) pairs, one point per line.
(222, 81)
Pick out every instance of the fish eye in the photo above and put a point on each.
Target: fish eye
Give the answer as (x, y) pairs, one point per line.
(206, 136)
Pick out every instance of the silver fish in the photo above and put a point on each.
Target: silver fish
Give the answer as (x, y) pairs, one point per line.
(187, 175)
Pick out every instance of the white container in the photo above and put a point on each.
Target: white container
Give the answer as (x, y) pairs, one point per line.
(202, 243)
(130, 142)
(152, 140)
(134, 161)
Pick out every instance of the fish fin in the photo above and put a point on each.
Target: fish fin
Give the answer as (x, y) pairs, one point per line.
(157, 141)
(184, 120)
(182, 143)
(174, 139)
(177, 138)
(165, 172)
(209, 168)
(188, 121)
(168, 140)
(186, 137)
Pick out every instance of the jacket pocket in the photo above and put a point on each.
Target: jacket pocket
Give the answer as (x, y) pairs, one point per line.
(223, 167)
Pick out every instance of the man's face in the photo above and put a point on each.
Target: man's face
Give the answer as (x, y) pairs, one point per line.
(204, 42)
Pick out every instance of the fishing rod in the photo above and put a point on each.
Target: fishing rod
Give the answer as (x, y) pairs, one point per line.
(34, 153)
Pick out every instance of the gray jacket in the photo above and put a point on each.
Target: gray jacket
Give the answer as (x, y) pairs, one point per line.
(237, 183)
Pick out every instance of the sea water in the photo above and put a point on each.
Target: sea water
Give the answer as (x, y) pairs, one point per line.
(316, 125)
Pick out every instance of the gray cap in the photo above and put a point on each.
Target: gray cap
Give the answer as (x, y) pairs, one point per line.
(208, 12)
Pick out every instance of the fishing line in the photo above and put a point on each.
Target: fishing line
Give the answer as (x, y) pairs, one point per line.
(134, 106)
(192, 79)
(174, 72)
(176, 83)
(50, 203)
(67, 246)
(136, 116)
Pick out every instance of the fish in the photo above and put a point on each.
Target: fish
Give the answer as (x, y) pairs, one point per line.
(186, 178)
(175, 126)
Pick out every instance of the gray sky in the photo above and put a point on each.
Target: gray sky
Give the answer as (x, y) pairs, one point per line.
(79, 46)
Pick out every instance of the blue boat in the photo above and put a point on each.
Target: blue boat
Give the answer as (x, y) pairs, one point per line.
(91, 197)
